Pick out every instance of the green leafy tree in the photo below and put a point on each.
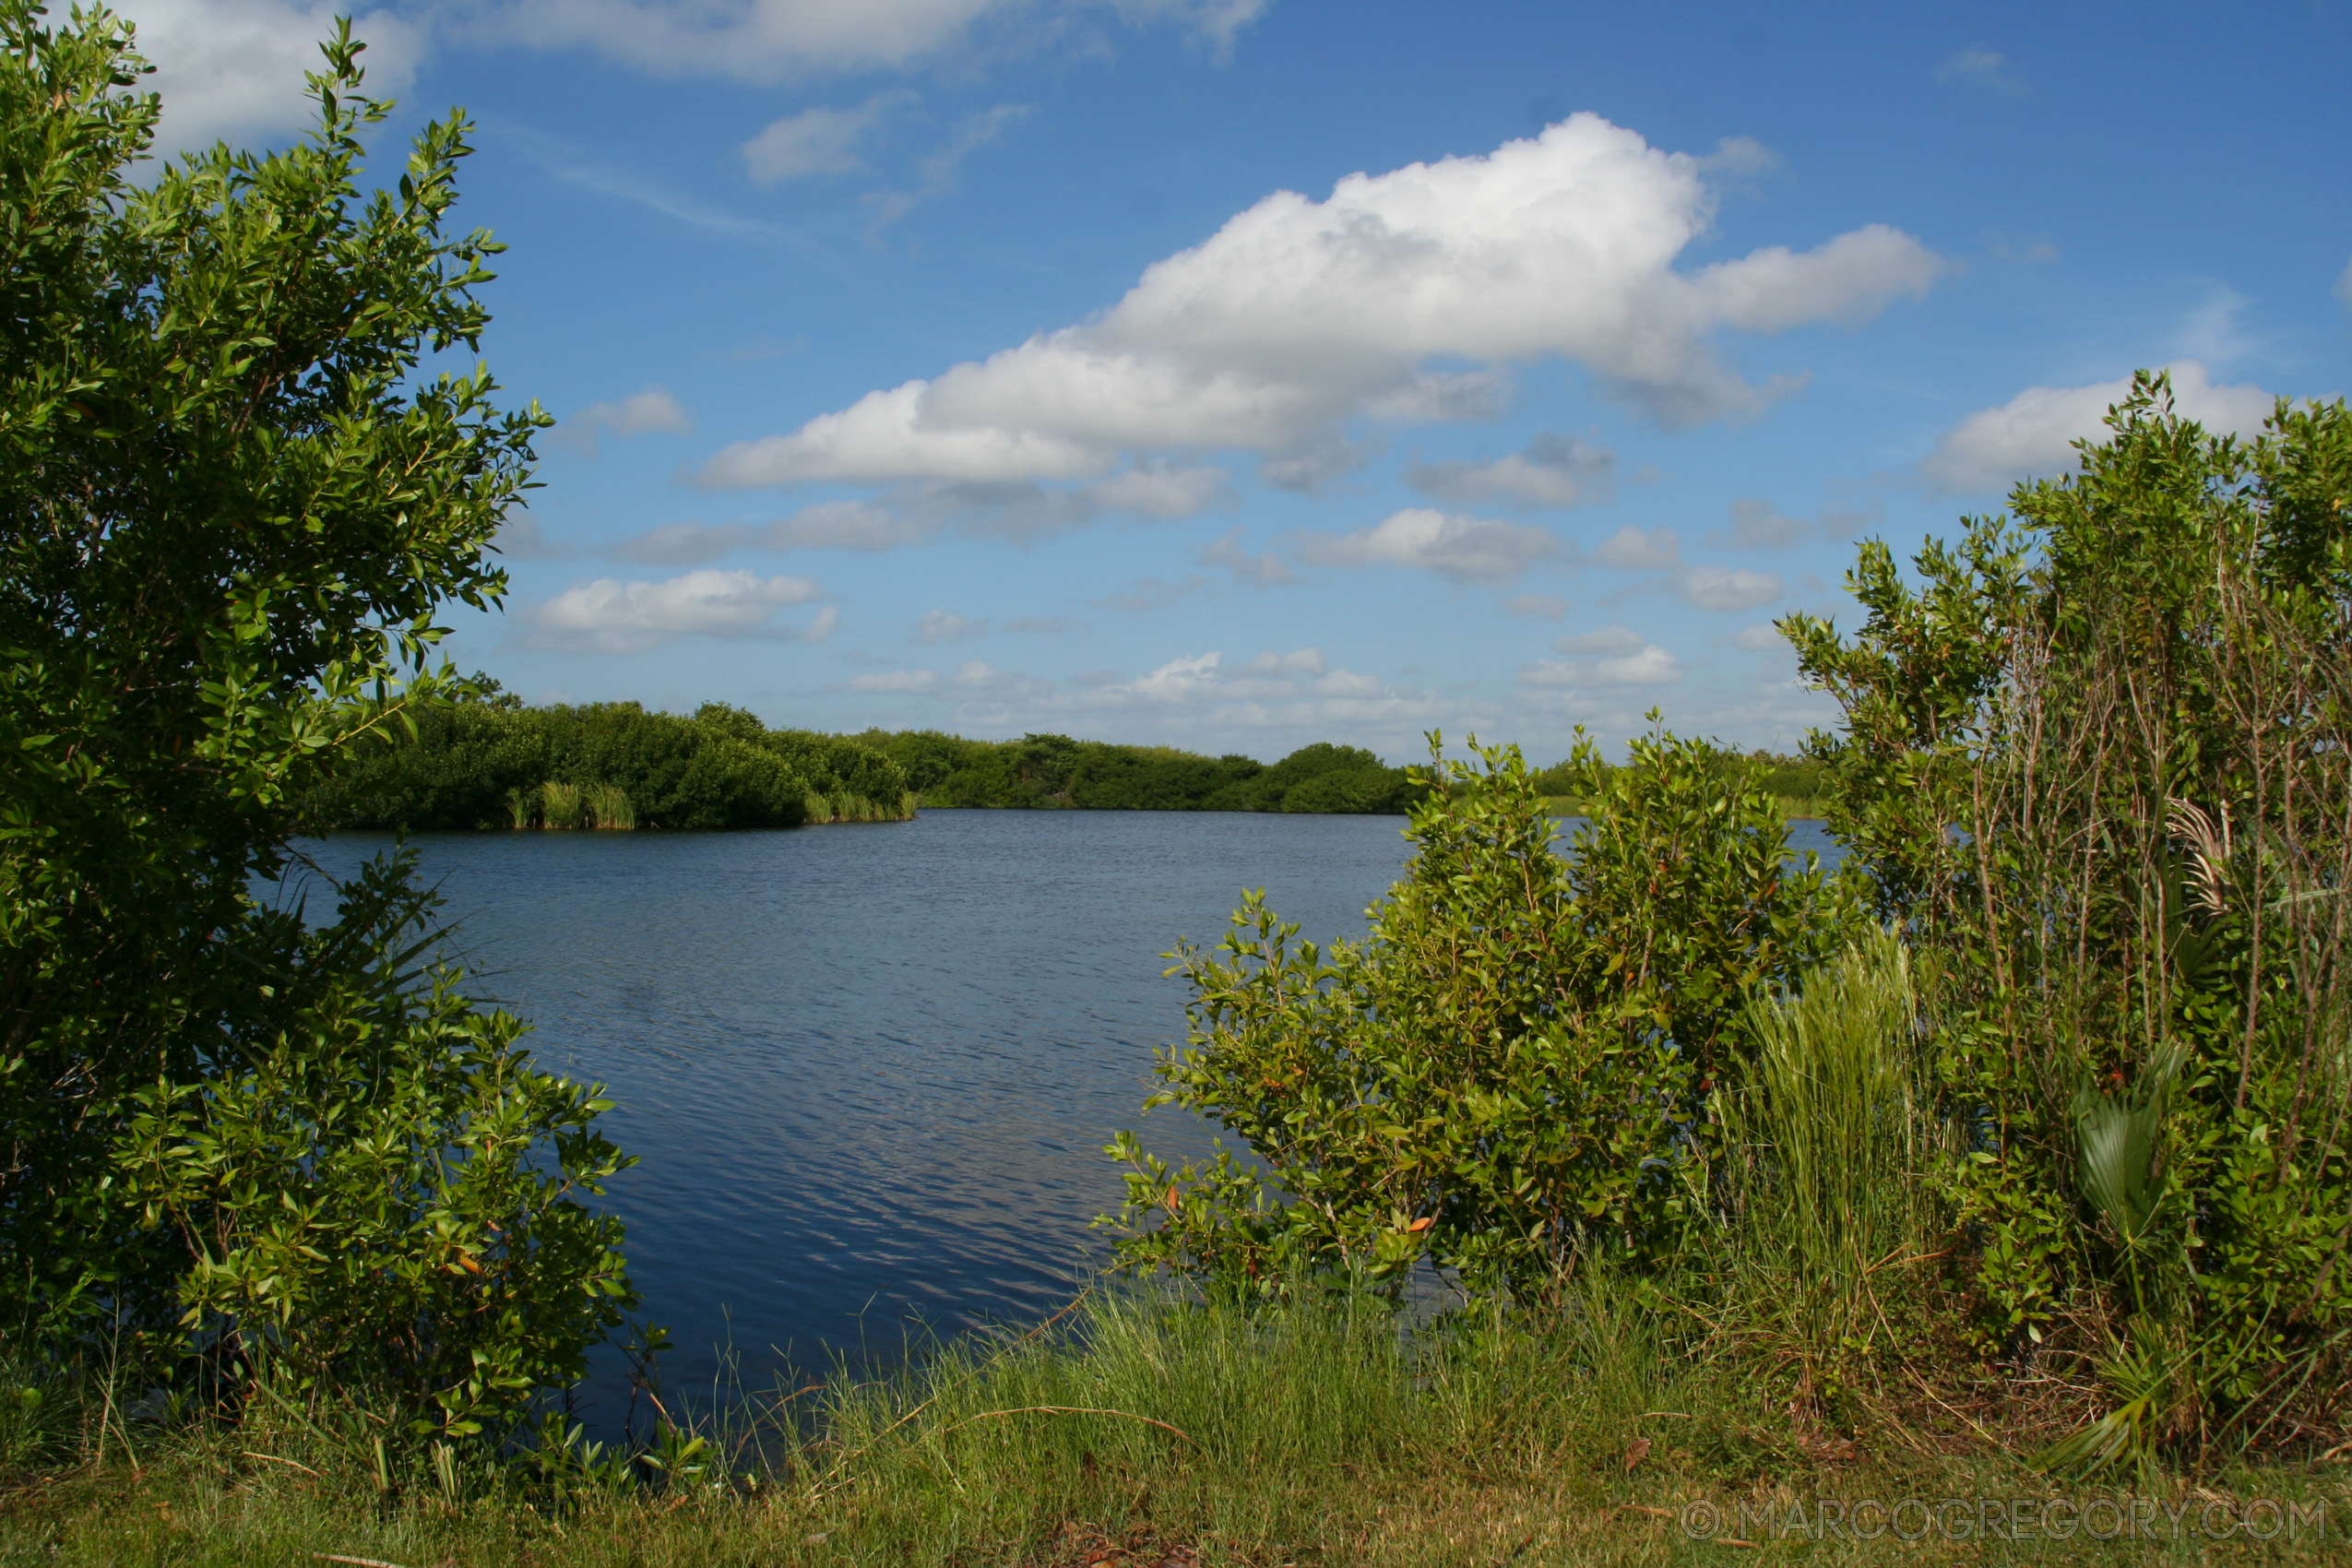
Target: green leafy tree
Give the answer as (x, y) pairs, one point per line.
(233, 497)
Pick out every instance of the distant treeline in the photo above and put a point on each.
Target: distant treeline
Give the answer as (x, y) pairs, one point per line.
(495, 763)
(1055, 772)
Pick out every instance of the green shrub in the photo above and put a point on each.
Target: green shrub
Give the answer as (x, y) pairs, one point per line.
(384, 1197)
(232, 500)
(2097, 763)
(1512, 1069)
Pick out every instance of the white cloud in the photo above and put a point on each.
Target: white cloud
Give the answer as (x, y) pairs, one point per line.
(816, 141)
(1640, 549)
(1298, 314)
(1727, 587)
(640, 413)
(611, 616)
(234, 68)
(2034, 433)
(1615, 641)
(1535, 606)
(768, 41)
(1465, 549)
(1981, 66)
(1616, 657)
(1762, 639)
(1156, 490)
(940, 626)
(917, 514)
(1555, 470)
(898, 681)
(1264, 570)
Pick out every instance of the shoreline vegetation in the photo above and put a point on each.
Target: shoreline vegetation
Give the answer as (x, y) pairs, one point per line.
(2003, 1173)
(490, 762)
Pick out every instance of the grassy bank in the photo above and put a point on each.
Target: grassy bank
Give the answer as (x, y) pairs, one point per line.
(1139, 1430)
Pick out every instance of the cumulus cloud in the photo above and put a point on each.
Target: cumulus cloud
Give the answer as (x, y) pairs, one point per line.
(769, 40)
(1727, 587)
(2034, 433)
(1617, 642)
(1614, 656)
(640, 413)
(234, 68)
(1161, 490)
(915, 514)
(611, 616)
(940, 626)
(1980, 66)
(1295, 689)
(1298, 315)
(817, 141)
(1637, 550)
(1464, 549)
(1555, 470)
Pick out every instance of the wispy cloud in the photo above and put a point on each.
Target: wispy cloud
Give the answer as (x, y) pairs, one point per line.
(935, 175)
(818, 141)
(1980, 66)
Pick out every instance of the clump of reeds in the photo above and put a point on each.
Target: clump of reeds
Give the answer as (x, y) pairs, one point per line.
(559, 804)
(608, 806)
(522, 808)
(844, 806)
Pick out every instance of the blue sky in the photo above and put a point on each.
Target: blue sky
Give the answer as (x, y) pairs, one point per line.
(1236, 374)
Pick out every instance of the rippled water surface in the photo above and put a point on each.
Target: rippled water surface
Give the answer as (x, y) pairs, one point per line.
(870, 1069)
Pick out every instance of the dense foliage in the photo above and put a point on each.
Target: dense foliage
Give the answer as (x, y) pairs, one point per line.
(1055, 771)
(2096, 774)
(496, 763)
(1795, 781)
(231, 499)
(1510, 1068)
(2099, 761)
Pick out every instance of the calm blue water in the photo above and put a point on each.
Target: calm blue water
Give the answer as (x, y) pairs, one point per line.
(870, 1069)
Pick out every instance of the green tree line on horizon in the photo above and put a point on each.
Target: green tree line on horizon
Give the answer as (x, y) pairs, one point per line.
(1057, 773)
(493, 762)
(490, 761)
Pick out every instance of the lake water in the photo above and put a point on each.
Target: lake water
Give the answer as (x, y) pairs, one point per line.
(869, 1070)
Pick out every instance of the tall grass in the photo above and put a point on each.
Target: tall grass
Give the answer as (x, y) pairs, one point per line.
(559, 804)
(1826, 1138)
(843, 806)
(608, 806)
